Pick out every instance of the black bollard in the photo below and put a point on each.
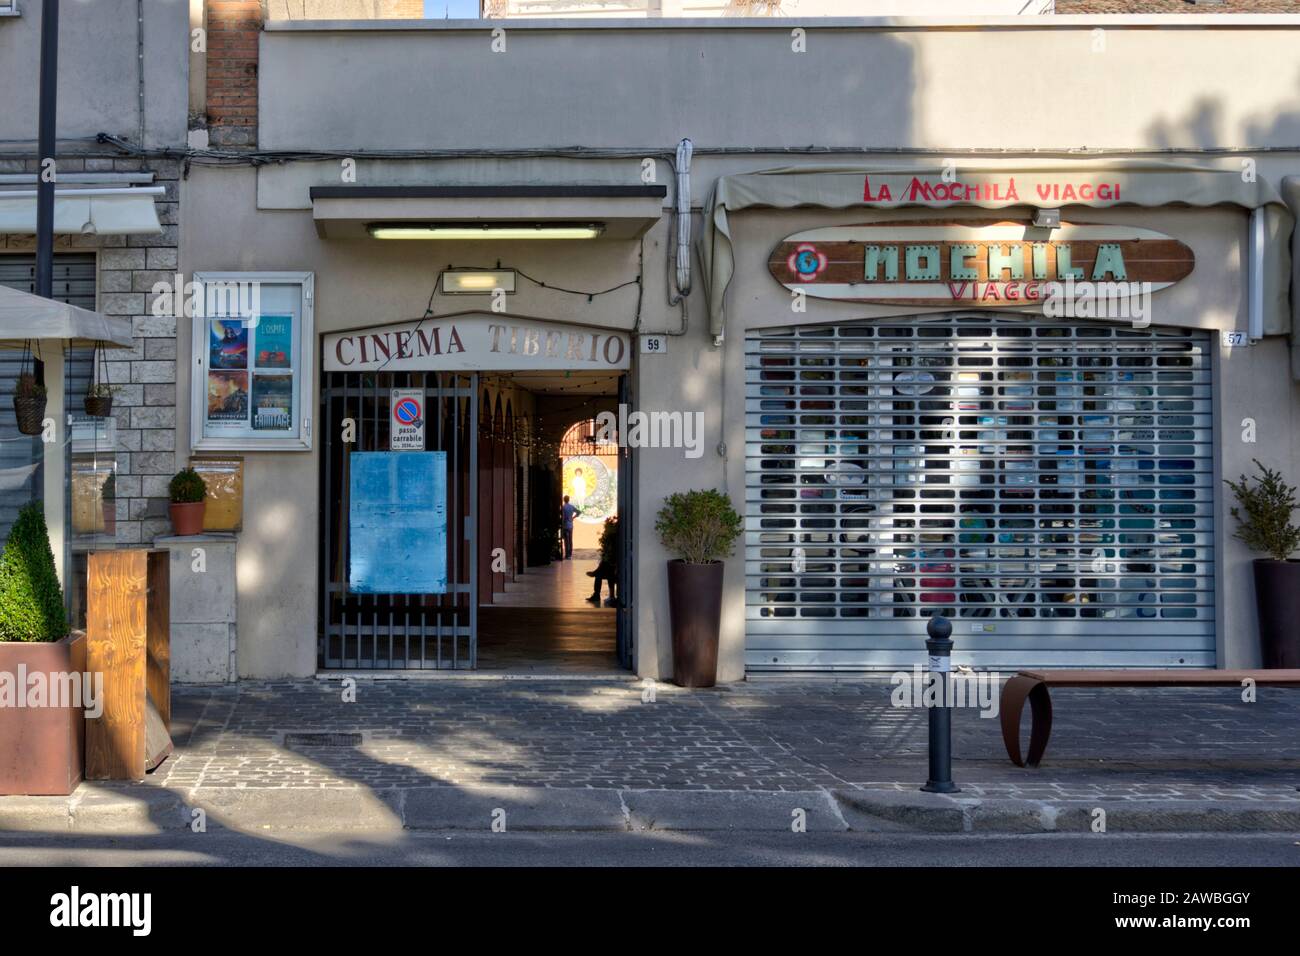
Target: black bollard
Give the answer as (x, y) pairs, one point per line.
(938, 644)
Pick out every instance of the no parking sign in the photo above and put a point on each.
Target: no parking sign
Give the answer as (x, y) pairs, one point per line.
(406, 430)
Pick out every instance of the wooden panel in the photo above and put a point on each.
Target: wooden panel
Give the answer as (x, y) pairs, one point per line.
(158, 674)
(116, 631)
(1162, 678)
(128, 641)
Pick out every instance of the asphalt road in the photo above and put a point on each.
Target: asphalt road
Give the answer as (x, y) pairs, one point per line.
(461, 848)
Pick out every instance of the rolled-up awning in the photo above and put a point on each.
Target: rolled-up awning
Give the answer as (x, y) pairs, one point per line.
(24, 316)
(1291, 194)
(1045, 185)
(622, 212)
(104, 211)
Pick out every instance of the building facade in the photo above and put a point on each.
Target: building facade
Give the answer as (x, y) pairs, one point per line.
(117, 222)
(822, 254)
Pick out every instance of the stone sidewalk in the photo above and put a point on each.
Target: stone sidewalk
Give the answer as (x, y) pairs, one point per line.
(447, 754)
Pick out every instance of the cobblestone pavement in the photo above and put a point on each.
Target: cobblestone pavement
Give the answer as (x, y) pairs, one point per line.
(1139, 744)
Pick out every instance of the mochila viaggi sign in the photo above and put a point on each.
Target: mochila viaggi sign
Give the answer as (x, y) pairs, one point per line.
(976, 264)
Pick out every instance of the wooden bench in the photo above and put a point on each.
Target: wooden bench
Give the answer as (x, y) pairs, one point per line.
(1033, 686)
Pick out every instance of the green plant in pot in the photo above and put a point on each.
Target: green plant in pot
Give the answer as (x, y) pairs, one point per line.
(40, 746)
(188, 491)
(701, 528)
(1263, 511)
(29, 404)
(99, 400)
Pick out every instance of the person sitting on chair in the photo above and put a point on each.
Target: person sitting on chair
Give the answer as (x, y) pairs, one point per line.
(607, 570)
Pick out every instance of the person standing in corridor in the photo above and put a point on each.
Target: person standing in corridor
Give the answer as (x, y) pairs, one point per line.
(567, 514)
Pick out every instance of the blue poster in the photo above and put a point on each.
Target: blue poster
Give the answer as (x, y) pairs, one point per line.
(227, 344)
(397, 522)
(274, 336)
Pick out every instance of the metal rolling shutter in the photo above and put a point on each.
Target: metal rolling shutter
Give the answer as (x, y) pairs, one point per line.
(74, 282)
(1048, 485)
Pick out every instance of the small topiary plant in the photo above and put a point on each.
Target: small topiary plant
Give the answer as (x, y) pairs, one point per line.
(31, 600)
(698, 526)
(1268, 504)
(187, 486)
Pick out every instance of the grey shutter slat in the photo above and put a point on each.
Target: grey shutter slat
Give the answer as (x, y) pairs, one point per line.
(74, 283)
(1047, 485)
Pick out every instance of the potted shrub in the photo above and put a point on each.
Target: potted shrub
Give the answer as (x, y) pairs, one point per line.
(108, 502)
(1263, 513)
(99, 400)
(29, 404)
(41, 743)
(701, 528)
(187, 491)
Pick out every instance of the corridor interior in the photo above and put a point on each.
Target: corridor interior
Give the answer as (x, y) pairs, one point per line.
(535, 618)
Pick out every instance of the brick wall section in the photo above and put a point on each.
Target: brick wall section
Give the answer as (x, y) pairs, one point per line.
(144, 403)
(233, 29)
(1176, 6)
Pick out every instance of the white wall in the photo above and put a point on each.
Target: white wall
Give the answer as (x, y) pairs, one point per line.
(763, 8)
(98, 76)
(647, 84)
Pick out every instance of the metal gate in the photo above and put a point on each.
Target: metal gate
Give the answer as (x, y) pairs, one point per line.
(399, 631)
(1049, 486)
(627, 529)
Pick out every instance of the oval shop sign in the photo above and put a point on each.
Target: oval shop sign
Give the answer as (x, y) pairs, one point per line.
(971, 264)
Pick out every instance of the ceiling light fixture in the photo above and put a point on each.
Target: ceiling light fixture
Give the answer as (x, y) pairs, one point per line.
(477, 281)
(485, 230)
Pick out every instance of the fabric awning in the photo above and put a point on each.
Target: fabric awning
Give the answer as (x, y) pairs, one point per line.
(104, 211)
(25, 316)
(1291, 194)
(985, 185)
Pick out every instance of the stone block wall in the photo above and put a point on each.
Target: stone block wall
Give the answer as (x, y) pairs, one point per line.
(145, 400)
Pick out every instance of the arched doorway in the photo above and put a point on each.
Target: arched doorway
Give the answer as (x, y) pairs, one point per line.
(589, 468)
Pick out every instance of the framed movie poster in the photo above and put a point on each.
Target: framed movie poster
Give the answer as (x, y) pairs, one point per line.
(253, 351)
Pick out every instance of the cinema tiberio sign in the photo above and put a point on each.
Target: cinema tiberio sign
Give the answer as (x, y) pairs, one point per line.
(477, 343)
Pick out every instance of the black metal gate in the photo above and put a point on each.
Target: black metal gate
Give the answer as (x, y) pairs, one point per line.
(627, 525)
(398, 631)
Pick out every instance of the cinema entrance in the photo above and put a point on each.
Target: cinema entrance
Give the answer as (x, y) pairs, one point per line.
(442, 478)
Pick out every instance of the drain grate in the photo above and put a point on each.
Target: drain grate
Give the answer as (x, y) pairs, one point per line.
(322, 740)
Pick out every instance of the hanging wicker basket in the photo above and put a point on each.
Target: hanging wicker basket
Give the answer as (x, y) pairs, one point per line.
(99, 406)
(30, 412)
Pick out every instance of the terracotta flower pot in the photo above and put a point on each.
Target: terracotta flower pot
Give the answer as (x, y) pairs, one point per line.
(1277, 599)
(695, 615)
(187, 517)
(42, 749)
(30, 412)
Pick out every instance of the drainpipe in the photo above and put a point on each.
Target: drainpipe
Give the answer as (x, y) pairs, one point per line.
(45, 149)
(683, 203)
(139, 65)
(1255, 276)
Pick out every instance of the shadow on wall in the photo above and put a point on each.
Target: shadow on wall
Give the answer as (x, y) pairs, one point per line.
(1203, 127)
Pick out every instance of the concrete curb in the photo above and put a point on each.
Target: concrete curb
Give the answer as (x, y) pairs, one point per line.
(140, 811)
(956, 813)
(815, 810)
